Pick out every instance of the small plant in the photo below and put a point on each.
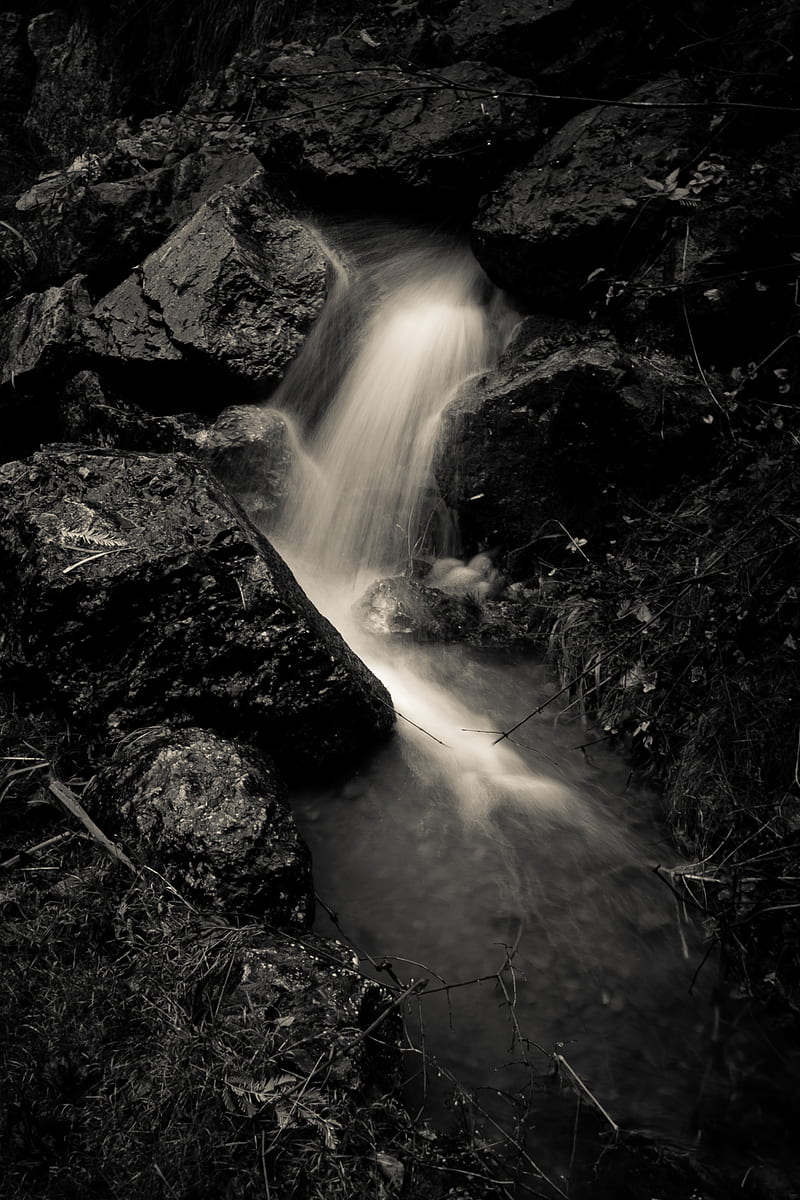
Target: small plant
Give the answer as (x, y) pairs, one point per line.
(706, 174)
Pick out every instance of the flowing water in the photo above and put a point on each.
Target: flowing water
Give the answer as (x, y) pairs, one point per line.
(451, 855)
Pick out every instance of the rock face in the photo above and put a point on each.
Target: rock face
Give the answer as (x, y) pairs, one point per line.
(16, 83)
(134, 590)
(237, 287)
(582, 204)
(540, 451)
(71, 95)
(213, 816)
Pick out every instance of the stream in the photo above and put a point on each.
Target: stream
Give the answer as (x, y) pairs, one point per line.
(524, 868)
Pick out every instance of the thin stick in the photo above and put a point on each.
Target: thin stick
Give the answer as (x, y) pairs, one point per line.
(23, 854)
(575, 1077)
(91, 557)
(72, 804)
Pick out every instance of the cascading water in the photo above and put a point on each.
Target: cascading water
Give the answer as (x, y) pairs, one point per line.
(448, 846)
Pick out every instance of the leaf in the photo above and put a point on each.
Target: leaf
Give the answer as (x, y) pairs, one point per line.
(654, 184)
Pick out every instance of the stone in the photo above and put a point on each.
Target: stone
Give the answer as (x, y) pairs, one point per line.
(337, 125)
(249, 449)
(237, 287)
(104, 213)
(406, 610)
(582, 204)
(211, 815)
(91, 413)
(319, 989)
(520, 35)
(41, 331)
(542, 451)
(135, 591)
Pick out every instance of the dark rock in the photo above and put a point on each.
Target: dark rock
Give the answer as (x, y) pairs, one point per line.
(213, 816)
(582, 204)
(91, 414)
(237, 286)
(400, 607)
(705, 279)
(337, 124)
(104, 213)
(530, 38)
(134, 590)
(41, 331)
(319, 990)
(249, 449)
(544, 449)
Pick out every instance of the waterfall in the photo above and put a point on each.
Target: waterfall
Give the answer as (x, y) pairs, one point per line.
(361, 491)
(360, 505)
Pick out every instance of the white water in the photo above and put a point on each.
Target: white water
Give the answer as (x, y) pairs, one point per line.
(359, 494)
(449, 843)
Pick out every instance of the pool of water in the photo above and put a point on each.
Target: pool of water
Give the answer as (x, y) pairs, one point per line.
(551, 886)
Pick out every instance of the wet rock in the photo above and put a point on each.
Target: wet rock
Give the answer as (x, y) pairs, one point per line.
(134, 590)
(91, 413)
(345, 127)
(582, 204)
(103, 213)
(41, 331)
(249, 449)
(237, 286)
(318, 988)
(408, 610)
(400, 607)
(213, 816)
(542, 451)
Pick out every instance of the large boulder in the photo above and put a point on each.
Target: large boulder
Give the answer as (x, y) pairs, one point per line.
(543, 451)
(582, 206)
(213, 816)
(236, 287)
(134, 590)
(347, 126)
